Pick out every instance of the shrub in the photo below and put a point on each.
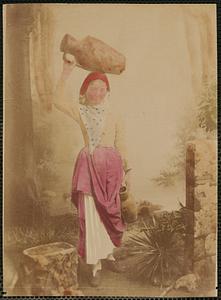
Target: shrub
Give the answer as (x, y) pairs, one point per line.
(201, 124)
(55, 229)
(158, 250)
(146, 208)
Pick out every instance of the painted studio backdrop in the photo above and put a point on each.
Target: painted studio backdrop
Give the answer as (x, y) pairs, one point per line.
(167, 98)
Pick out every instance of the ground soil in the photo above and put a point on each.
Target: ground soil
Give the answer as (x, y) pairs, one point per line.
(119, 284)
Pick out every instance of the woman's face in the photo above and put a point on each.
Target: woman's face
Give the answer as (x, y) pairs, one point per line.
(96, 92)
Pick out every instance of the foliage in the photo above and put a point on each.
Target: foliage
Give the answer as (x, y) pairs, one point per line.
(166, 178)
(158, 250)
(146, 208)
(46, 169)
(55, 229)
(208, 107)
(199, 124)
(172, 221)
(40, 210)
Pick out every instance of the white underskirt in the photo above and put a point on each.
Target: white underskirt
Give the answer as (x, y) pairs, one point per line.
(98, 242)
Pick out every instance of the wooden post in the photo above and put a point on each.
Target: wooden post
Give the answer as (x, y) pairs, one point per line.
(189, 220)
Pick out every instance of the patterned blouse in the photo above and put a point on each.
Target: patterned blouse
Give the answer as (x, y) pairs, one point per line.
(93, 118)
(100, 125)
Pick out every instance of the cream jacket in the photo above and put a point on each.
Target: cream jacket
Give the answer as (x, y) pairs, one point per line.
(113, 133)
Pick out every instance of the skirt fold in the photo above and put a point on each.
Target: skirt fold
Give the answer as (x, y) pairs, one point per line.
(99, 176)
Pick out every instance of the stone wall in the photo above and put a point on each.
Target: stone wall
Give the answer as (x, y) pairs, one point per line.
(201, 198)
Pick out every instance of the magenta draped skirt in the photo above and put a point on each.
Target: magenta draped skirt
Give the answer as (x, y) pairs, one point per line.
(99, 174)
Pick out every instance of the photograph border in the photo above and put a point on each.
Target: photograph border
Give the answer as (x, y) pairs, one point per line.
(218, 6)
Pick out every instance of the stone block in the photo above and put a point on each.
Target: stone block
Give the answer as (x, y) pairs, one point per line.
(200, 267)
(199, 249)
(51, 268)
(205, 162)
(205, 148)
(206, 269)
(190, 282)
(205, 221)
(210, 244)
(211, 275)
(206, 195)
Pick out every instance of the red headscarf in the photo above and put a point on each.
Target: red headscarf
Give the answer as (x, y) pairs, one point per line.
(93, 76)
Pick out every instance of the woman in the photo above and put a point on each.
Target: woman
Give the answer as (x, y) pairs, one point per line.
(99, 170)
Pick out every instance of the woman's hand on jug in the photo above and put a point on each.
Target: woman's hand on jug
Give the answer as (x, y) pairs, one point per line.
(69, 64)
(127, 180)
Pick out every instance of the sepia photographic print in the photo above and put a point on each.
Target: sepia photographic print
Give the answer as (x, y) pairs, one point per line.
(110, 150)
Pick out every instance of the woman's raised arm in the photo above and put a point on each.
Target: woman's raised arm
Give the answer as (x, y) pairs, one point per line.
(60, 99)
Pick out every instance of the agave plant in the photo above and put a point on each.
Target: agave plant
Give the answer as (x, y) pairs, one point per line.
(157, 252)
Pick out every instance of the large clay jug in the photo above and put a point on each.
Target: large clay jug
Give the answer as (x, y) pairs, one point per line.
(94, 55)
(128, 209)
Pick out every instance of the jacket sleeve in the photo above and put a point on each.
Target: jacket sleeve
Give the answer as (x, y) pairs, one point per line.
(120, 142)
(62, 102)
